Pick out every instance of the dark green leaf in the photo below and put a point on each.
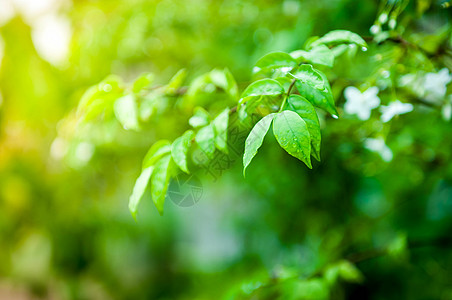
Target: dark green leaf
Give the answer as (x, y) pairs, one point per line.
(320, 98)
(255, 139)
(292, 134)
(179, 150)
(307, 112)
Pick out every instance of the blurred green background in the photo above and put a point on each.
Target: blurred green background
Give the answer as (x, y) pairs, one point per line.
(65, 228)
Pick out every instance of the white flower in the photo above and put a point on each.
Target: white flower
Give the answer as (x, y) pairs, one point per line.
(378, 145)
(359, 103)
(435, 84)
(394, 108)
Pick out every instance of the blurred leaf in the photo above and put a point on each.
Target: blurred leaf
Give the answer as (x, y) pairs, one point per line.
(200, 118)
(157, 150)
(180, 149)
(139, 189)
(292, 134)
(143, 82)
(220, 127)
(177, 80)
(126, 111)
(320, 55)
(205, 138)
(340, 37)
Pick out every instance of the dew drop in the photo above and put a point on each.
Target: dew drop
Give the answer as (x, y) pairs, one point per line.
(335, 117)
(364, 49)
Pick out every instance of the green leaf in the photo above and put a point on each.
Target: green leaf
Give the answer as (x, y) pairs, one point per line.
(220, 127)
(142, 82)
(336, 37)
(320, 55)
(205, 138)
(159, 182)
(177, 80)
(320, 98)
(224, 80)
(157, 150)
(285, 82)
(349, 273)
(275, 61)
(307, 74)
(261, 93)
(292, 134)
(139, 189)
(200, 118)
(126, 111)
(307, 112)
(179, 150)
(263, 87)
(255, 139)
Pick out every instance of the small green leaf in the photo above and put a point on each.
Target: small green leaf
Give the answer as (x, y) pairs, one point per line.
(139, 189)
(177, 80)
(255, 139)
(263, 87)
(205, 138)
(179, 150)
(307, 74)
(157, 150)
(200, 118)
(292, 134)
(275, 61)
(142, 82)
(320, 55)
(126, 111)
(285, 82)
(336, 37)
(159, 182)
(224, 80)
(307, 112)
(320, 98)
(349, 273)
(220, 127)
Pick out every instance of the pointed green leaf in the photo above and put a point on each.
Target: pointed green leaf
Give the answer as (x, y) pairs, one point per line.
(200, 118)
(263, 87)
(307, 74)
(139, 189)
(336, 37)
(292, 134)
(275, 61)
(255, 139)
(179, 150)
(320, 98)
(157, 150)
(205, 138)
(320, 55)
(177, 80)
(143, 82)
(159, 181)
(307, 112)
(220, 127)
